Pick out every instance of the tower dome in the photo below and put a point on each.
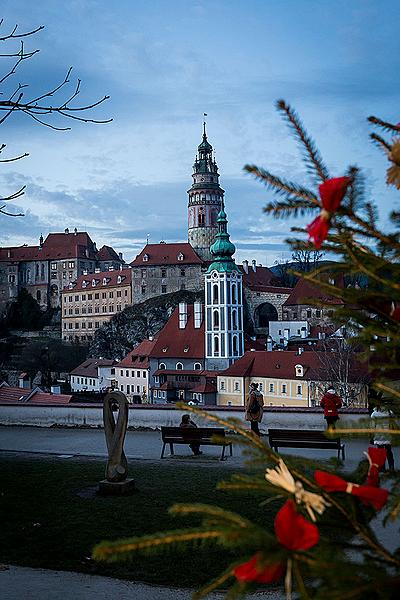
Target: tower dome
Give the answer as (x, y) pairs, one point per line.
(222, 250)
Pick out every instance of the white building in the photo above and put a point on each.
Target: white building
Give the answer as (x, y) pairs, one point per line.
(282, 331)
(132, 373)
(93, 375)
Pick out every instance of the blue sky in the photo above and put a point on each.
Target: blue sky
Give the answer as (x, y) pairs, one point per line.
(164, 63)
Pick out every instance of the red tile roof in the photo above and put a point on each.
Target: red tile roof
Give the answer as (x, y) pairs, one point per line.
(89, 367)
(55, 247)
(262, 279)
(303, 290)
(110, 276)
(17, 395)
(107, 253)
(205, 388)
(275, 364)
(139, 356)
(173, 342)
(167, 254)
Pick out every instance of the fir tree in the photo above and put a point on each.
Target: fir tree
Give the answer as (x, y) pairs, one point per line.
(323, 546)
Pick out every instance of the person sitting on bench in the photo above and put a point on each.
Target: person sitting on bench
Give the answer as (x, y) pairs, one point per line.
(186, 423)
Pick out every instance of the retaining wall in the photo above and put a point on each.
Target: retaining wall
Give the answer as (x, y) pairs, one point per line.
(153, 417)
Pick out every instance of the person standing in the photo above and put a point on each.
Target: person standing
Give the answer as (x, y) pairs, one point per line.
(254, 408)
(187, 423)
(381, 420)
(331, 402)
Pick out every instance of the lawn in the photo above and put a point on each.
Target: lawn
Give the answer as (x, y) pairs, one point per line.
(52, 518)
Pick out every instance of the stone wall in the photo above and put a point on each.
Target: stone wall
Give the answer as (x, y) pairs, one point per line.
(255, 299)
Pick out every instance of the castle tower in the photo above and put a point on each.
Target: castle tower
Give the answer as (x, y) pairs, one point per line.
(223, 302)
(205, 200)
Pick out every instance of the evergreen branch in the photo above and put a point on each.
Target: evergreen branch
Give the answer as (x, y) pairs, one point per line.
(361, 266)
(211, 511)
(384, 124)
(312, 156)
(113, 551)
(385, 388)
(300, 581)
(394, 512)
(214, 584)
(280, 186)
(381, 142)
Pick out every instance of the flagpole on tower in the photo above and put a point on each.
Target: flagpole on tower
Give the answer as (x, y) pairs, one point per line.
(204, 123)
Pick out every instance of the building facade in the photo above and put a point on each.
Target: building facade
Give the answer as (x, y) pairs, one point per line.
(93, 375)
(132, 373)
(91, 301)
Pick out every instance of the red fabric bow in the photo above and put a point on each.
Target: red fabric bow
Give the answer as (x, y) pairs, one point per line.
(377, 458)
(294, 532)
(331, 192)
(377, 497)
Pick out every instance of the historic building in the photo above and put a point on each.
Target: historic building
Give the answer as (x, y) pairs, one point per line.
(224, 302)
(205, 200)
(165, 268)
(93, 375)
(132, 373)
(44, 270)
(299, 305)
(92, 300)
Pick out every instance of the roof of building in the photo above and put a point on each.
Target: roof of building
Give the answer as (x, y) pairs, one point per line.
(304, 290)
(275, 364)
(107, 253)
(89, 367)
(17, 395)
(56, 246)
(260, 278)
(103, 279)
(167, 254)
(139, 356)
(173, 342)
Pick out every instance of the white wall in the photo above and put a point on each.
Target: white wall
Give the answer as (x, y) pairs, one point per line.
(154, 417)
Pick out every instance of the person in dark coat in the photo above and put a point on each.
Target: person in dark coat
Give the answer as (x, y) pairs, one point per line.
(186, 422)
(254, 408)
(331, 402)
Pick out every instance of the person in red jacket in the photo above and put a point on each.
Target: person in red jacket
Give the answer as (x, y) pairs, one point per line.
(331, 402)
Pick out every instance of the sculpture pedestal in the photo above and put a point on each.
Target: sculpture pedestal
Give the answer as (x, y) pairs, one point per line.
(117, 488)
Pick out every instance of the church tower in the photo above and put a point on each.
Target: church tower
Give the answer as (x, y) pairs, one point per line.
(205, 200)
(223, 302)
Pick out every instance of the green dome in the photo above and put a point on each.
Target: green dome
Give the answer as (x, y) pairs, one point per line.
(222, 249)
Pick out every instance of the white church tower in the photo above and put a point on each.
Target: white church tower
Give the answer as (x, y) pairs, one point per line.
(224, 302)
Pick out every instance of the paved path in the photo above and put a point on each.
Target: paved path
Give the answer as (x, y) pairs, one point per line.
(21, 583)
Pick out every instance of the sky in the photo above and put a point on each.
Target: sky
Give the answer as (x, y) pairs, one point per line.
(166, 62)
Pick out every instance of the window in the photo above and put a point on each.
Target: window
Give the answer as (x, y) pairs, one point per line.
(90, 325)
(83, 296)
(137, 373)
(197, 366)
(261, 387)
(271, 387)
(84, 310)
(283, 388)
(163, 289)
(234, 319)
(308, 313)
(183, 273)
(122, 387)
(161, 366)
(97, 309)
(126, 373)
(69, 325)
(84, 325)
(179, 366)
(145, 257)
(38, 296)
(318, 312)
(90, 309)
(119, 294)
(76, 325)
(215, 294)
(77, 311)
(180, 256)
(111, 308)
(299, 370)
(222, 385)
(183, 286)
(103, 295)
(215, 319)
(69, 298)
(163, 272)
(121, 373)
(96, 324)
(234, 297)
(138, 389)
(53, 266)
(143, 289)
(237, 386)
(97, 296)
(235, 345)
(71, 264)
(299, 390)
(216, 346)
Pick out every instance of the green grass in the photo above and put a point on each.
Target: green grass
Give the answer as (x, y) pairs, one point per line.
(45, 523)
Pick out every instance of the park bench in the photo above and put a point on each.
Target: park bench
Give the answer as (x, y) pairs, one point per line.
(303, 438)
(205, 436)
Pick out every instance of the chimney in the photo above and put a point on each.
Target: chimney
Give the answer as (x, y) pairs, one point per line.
(85, 272)
(246, 266)
(97, 270)
(41, 241)
(300, 351)
(268, 345)
(66, 231)
(75, 231)
(253, 265)
(198, 315)
(182, 315)
(111, 268)
(150, 338)
(285, 337)
(120, 256)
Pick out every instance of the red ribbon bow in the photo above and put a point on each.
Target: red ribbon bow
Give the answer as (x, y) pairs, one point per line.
(332, 192)
(377, 497)
(294, 532)
(377, 458)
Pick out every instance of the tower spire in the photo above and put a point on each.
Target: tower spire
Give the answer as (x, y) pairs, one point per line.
(204, 126)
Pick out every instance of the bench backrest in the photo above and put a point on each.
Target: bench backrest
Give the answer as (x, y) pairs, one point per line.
(193, 433)
(301, 435)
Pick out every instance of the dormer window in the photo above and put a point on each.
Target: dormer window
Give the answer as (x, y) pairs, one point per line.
(104, 280)
(299, 370)
(71, 285)
(186, 349)
(145, 257)
(84, 284)
(119, 279)
(165, 349)
(180, 256)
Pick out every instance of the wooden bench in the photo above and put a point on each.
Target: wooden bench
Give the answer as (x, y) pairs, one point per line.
(194, 435)
(303, 438)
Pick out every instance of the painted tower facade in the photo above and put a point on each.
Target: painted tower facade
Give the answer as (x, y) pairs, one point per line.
(205, 200)
(223, 302)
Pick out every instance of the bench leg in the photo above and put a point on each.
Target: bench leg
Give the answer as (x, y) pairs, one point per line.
(162, 451)
(171, 448)
(223, 452)
(230, 448)
(343, 457)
